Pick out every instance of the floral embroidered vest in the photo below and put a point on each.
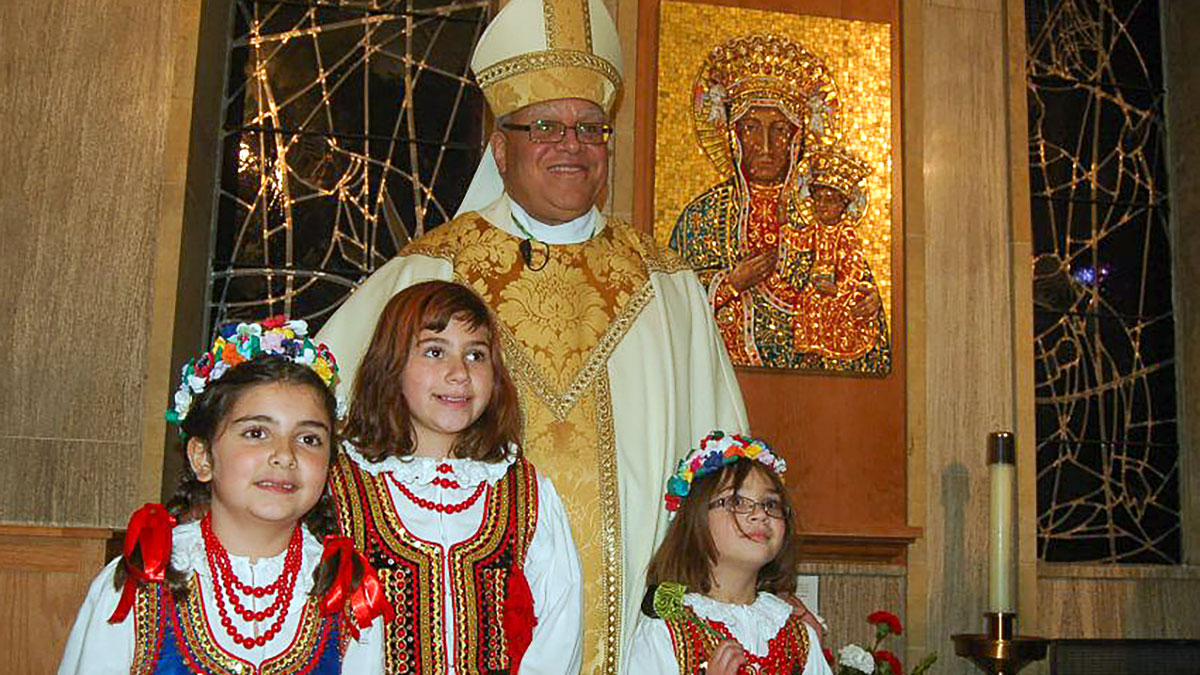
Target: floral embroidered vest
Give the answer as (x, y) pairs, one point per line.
(787, 652)
(412, 573)
(173, 638)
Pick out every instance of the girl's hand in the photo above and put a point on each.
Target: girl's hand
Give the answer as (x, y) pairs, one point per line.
(726, 659)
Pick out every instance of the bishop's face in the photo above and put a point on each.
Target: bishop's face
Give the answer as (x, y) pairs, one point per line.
(765, 135)
(553, 182)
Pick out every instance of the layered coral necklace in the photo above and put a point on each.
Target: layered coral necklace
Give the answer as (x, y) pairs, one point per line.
(226, 583)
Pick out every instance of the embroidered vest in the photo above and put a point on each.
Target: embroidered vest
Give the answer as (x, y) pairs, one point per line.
(787, 652)
(411, 571)
(173, 639)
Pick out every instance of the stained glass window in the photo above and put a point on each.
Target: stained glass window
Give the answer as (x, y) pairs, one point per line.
(1104, 332)
(349, 127)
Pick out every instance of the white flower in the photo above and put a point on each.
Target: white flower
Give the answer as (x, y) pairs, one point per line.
(308, 357)
(196, 383)
(299, 327)
(342, 408)
(183, 401)
(218, 370)
(853, 656)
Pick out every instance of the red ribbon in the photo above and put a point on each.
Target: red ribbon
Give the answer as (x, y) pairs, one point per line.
(149, 530)
(519, 618)
(367, 601)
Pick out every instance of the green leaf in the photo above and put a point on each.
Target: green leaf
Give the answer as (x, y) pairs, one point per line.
(925, 664)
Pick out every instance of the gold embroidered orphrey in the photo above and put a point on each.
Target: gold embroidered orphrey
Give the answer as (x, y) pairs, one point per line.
(819, 308)
(559, 327)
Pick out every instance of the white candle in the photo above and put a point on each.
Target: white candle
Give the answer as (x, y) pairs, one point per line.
(1002, 471)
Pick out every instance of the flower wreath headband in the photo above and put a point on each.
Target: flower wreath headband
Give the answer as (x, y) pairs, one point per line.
(238, 343)
(717, 450)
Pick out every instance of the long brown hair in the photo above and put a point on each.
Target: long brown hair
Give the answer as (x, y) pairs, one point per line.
(379, 423)
(687, 553)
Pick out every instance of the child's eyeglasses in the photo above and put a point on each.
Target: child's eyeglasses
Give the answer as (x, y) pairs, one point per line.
(745, 506)
(553, 131)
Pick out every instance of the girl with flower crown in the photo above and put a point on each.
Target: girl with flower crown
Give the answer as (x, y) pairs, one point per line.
(730, 550)
(471, 543)
(231, 576)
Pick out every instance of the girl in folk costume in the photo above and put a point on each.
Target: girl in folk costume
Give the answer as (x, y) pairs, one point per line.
(472, 545)
(246, 586)
(730, 549)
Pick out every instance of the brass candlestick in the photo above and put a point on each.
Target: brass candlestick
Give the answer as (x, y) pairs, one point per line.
(1000, 651)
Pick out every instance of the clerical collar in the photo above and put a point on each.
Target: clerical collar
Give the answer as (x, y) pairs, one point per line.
(571, 232)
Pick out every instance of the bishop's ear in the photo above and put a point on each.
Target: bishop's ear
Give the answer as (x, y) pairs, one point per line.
(499, 145)
(200, 459)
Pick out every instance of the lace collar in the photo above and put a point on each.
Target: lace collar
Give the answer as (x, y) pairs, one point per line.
(187, 555)
(422, 470)
(751, 625)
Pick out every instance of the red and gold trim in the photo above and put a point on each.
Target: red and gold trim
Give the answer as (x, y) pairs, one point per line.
(411, 572)
(787, 652)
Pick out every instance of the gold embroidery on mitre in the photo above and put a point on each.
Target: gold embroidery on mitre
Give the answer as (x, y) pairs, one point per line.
(567, 24)
(545, 60)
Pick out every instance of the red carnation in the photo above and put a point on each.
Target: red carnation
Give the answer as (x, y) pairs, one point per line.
(882, 617)
(276, 321)
(885, 655)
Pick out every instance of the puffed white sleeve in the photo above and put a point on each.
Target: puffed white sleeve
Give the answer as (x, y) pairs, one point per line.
(816, 663)
(365, 655)
(556, 583)
(95, 646)
(650, 649)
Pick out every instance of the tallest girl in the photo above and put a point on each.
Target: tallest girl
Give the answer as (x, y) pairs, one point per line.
(471, 543)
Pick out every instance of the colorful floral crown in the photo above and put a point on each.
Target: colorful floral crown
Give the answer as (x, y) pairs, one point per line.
(237, 343)
(717, 450)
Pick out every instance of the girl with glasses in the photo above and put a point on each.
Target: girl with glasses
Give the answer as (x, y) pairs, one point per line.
(713, 602)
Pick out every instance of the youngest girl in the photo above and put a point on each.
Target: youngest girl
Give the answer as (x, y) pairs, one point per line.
(246, 588)
(471, 543)
(712, 605)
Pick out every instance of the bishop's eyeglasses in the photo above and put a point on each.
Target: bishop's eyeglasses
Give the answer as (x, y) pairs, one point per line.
(745, 506)
(553, 131)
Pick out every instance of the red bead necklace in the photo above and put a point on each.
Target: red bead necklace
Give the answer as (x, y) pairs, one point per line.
(447, 483)
(225, 579)
(434, 506)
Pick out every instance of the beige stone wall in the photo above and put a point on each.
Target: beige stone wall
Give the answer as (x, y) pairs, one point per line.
(95, 110)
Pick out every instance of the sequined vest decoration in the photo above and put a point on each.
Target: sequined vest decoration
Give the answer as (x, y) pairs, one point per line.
(411, 572)
(172, 638)
(787, 652)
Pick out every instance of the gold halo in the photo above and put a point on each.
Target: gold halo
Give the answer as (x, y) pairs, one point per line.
(761, 67)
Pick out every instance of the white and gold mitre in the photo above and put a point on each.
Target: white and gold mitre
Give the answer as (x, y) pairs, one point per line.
(540, 50)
